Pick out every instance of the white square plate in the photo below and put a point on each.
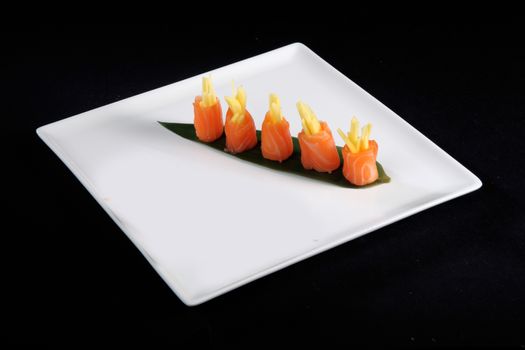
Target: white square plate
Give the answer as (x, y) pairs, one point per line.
(209, 223)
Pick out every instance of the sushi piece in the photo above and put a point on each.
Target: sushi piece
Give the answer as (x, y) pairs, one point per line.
(276, 141)
(317, 144)
(239, 127)
(359, 155)
(207, 113)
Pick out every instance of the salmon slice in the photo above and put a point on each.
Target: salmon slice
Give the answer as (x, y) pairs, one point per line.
(360, 168)
(373, 145)
(276, 141)
(318, 150)
(207, 120)
(240, 136)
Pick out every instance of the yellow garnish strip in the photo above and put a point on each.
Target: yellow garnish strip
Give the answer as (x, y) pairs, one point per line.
(311, 125)
(209, 98)
(355, 142)
(305, 127)
(237, 103)
(354, 131)
(365, 134)
(347, 141)
(275, 108)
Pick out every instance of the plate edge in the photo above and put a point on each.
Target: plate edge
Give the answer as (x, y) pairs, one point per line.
(469, 173)
(179, 82)
(298, 258)
(169, 279)
(187, 298)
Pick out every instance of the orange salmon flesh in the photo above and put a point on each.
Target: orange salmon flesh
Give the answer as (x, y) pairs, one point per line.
(276, 141)
(318, 151)
(207, 120)
(360, 168)
(240, 136)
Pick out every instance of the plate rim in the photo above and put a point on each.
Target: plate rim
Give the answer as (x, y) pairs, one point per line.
(169, 279)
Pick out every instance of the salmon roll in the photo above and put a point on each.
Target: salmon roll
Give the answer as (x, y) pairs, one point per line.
(276, 141)
(317, 144)
(359, 155)
(239, 127)
(207, 113)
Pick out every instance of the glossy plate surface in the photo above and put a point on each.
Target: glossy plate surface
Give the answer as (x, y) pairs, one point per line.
(209, 223)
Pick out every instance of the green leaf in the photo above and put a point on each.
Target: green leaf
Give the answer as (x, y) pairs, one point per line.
(292, 165)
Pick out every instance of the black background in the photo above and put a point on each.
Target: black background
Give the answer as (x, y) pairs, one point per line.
(453, 274)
